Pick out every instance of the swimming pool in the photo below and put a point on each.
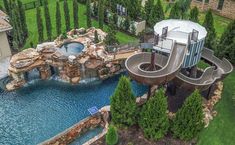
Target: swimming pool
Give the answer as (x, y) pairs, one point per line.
(43, 109)
(72, 48)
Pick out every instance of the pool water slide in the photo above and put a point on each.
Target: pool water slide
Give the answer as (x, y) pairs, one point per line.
(218, 71)
(169, 66)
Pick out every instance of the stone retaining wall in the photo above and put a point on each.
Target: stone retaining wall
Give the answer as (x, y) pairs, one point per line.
(75, 131)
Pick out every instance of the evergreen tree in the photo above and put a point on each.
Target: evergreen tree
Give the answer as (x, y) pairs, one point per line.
(175, 11)
(134, 8)
(66, 15)
(226, 47)
(96, 37)
(133, 29)
(123, 105)
(211, 34)
(7, 7)
(127, 24)
(75, 14)
(17, 24)
(115, 19)
(23, 19)
(95, 9)
(58, 18)
(194, 14)
(88, 13)
(148, 8)
(111, 136)
(39, 25)
(101, 13)
(16, 41)
(47, 20)
(188, 121)
(153, 116)
(156, 14)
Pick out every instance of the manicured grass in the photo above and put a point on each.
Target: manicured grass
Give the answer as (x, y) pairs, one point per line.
(221, 130)
(220, 23)
(202, 64)
(32, 26)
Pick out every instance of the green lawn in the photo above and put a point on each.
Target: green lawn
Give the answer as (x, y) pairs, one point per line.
(31, 21)
(221, 130)
(202, 64)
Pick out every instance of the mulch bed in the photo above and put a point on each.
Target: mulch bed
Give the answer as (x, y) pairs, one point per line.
(134, 136)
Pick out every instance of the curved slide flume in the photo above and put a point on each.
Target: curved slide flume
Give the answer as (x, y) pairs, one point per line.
(220, 70)
(169, 66)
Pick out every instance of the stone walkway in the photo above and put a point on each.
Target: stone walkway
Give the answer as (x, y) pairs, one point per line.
(4, 64)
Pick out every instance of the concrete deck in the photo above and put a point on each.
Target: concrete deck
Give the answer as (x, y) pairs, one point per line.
(4, 64)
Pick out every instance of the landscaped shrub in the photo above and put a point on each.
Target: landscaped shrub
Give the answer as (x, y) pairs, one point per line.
(66, 15)
(88, 13)
(111, 136)
(58, 18)
(111, 39)
(153, 116)
(123, 105)
(226, 47)
(156, 14)
(193, 16)
(188, 121)
(208, 23)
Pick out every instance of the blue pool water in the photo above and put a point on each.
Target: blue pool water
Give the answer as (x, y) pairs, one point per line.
(72, 48)
(42, 109)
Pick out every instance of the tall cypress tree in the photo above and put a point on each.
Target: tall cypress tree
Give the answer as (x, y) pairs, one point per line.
(175, 11)
(153, 116)
(88, 13)
(188, 121)
(75, 14)
(47, 20)
(226, 47)
(101, 14)
(123, 105)
(58, 18)
(156, 14)
(211, 34)
(193, 16)
(23, 19)
(66, 15)
(6, 6)
(16, 41)
(148, 8)
(39, 25)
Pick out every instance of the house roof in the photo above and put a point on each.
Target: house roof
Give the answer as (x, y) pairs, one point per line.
(4, 25)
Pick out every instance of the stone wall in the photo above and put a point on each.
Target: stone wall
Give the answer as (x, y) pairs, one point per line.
(74, 132)
(228, 9)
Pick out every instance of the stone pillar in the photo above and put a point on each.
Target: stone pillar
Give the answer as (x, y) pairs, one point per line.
(193, 72)
(45, 72)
